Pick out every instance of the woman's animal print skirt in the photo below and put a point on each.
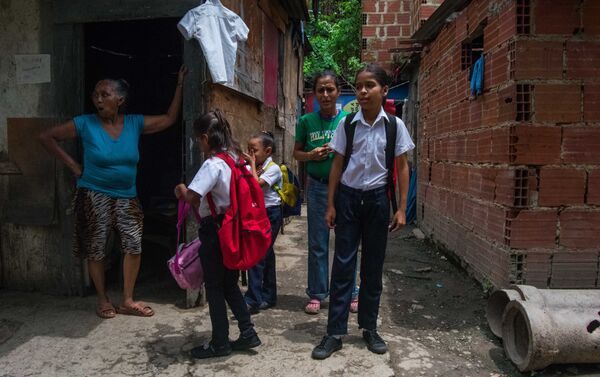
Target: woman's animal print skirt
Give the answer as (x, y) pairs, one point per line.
(97, 215)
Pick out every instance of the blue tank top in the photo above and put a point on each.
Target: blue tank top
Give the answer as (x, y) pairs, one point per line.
(109, 165)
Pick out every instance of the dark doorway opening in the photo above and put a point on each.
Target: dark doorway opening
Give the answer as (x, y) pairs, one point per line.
(147, 54)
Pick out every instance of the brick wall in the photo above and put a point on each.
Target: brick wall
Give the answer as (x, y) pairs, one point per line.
(386, 24)
(510, 180)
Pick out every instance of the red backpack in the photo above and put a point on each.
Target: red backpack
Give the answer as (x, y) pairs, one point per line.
(245, 234)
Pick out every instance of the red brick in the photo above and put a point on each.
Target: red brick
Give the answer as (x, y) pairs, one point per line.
(556, 17)
(394, 6)
(374, 19)
(505, 187)
(558, 103)
(574, 269)
(591, 102)
(538, 60)
(579, 229)
(369, 6)
(389, 18)
(561, 187)
(368, 31)
(533, 229)
(583, 60)
(403, 18)
(581, 145)
(536, 145)
(593, 189)
(537, 268)
(590, 14)
(507, 101)
(393, 31)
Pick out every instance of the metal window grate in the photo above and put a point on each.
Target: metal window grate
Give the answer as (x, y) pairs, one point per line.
(523, 16)
(524, 102)
(512, 57)
(364, 18)
(465, 56)
(364, 43)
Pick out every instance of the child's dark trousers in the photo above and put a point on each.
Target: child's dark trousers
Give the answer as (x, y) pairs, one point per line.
(221, 286)
(361, 216)
(262, 279)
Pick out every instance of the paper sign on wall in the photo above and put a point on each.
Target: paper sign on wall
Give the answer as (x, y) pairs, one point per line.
(33, 69)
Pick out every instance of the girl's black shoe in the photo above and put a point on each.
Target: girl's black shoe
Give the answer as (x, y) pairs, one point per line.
(328, 345)
(208, 351)
(245, 343)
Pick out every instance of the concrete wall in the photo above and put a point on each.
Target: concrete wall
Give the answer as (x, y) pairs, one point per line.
(509, 180)
(20, 28)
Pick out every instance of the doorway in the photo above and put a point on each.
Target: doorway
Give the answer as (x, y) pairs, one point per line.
(147, 54)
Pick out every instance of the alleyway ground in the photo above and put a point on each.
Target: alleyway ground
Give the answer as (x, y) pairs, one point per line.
(433, 321)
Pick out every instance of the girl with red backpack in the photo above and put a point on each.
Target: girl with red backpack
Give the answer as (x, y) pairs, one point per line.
(213, 133)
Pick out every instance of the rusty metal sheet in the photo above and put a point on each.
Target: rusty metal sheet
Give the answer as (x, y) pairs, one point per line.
(32, 195)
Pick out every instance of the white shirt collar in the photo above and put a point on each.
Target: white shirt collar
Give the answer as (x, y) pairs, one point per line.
(267, 161)
(359, 117)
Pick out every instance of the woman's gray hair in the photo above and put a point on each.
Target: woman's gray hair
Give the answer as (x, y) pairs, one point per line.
(122, 88)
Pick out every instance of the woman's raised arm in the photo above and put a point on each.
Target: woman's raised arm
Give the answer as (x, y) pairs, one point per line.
(156, 123)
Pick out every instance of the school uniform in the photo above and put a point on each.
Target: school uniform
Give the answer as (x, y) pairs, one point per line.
(362, 214)
(221, 283)
(262, 279)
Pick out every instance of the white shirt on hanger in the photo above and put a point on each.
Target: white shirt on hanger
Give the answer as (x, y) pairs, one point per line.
(218, 30)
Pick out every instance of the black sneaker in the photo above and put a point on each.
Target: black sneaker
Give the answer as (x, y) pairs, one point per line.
(328, 345)
(245, 343)
(253, 310)
(374, 342)
(208, 351)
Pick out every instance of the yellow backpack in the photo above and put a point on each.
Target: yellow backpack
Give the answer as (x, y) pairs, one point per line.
(289, 192)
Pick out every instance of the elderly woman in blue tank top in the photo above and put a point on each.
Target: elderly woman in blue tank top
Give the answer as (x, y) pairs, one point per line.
(106, 196)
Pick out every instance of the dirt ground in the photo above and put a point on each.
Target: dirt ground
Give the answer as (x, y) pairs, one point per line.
(432, 316)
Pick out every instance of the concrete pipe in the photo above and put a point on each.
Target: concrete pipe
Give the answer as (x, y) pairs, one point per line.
(560, 298)
(536, 336)
(495, 308)
(554, 298)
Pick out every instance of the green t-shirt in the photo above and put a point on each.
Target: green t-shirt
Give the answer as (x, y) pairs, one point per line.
(314, 131)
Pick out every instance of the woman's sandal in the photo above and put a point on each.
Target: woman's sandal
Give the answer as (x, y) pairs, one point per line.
(312, 307)
(354, 305)
(106, 310)
(138, 309)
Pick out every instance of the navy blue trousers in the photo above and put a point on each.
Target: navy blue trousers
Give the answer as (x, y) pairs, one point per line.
(262, 278)
(361, 216)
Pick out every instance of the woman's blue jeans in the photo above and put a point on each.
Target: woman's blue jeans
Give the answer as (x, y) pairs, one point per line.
(318, 241)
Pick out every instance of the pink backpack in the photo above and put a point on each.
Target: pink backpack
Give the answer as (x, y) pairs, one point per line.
(185, 265)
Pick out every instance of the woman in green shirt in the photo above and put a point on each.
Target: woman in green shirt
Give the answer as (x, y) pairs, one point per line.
(313, 133)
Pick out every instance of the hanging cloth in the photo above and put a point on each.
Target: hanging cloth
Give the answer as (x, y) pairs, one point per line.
(218, 30)
(477, 77)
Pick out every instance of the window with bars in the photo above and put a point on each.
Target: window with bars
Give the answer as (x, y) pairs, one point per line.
(524, 102)
(471, 51)
(364, 18)
(523, 16)
(364, 43)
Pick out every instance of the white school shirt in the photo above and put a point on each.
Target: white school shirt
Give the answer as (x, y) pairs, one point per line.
(218, 31)
(214, 176)
(366, 169)
(272, 176)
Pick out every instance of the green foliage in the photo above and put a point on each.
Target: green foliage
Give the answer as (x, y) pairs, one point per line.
(335, 39)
